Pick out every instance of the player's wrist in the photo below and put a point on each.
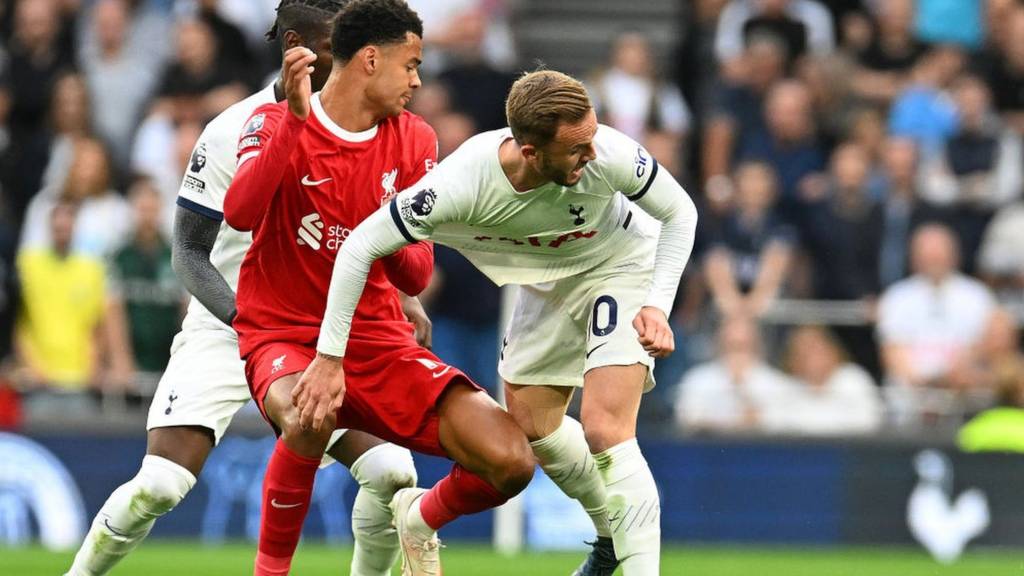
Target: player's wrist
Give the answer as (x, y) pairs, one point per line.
(325, 357)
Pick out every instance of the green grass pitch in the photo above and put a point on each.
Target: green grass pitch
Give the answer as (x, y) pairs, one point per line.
(193, 559)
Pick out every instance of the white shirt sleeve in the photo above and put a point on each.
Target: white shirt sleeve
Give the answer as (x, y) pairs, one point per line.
(411, 216)
(209, 172)
(631, 170)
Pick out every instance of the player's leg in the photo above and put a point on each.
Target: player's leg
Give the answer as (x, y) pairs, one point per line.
(288, 481)
(381, 469)
(559, 444)
(174, 457)
(490, 468)
(199, 393)
(611, 402)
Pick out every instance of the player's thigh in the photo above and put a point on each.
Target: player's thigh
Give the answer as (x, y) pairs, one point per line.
(611, 340)
(544, 342)
(537, 409)
(198, 395)
(611, 403)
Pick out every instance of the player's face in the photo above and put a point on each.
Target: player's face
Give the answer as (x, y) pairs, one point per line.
(397, 75)
(563, 159)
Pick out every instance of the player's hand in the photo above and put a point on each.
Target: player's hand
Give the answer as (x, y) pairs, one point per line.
(297, 86)
(655, 334)
(413, 309)
(321, 390)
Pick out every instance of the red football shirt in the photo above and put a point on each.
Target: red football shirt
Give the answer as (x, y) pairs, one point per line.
(302, 188)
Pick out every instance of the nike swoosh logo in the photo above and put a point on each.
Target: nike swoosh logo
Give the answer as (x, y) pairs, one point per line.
(595, 348)
(307, 182)
(106, 522)
(273, 502)
(441, 373)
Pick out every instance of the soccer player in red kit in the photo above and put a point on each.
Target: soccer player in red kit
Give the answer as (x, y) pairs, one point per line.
(309, 171)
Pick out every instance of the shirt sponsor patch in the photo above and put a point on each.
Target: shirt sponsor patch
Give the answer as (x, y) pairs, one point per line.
(255, 124)
(198, 160)
(420, 205)
(193, 184)
(250, 142)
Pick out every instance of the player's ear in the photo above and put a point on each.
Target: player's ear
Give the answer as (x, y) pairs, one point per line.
(371, 58)
(291, 39)
(529, 151)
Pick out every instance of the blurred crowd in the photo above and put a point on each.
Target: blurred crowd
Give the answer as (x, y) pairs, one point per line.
(856, 156)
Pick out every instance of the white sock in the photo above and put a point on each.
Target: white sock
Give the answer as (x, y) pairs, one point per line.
(129, 513)
(634, 509)
(565, 458)
(381, 471)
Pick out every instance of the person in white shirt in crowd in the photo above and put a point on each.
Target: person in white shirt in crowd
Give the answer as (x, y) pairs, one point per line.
(1000, 258)
(926, 321)
(738, 391)
(836, 396)
(630, 97)
(804, 25)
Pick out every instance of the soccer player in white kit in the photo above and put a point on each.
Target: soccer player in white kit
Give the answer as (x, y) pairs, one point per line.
(562, 206)
(204, 384)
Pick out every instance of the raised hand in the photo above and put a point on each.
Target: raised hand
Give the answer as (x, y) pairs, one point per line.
(297, 85)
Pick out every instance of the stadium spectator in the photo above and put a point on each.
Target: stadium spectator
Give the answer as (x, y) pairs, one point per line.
(476, 86)
(104, 218)
(629, 95)
(834, 104)
(198, 83)
(836, 397)
(950, 22)
(1001, 428)
(980, 368)
(892, 52)
(804, 26)
(145, 301)
(737, 391)
(70, 120)
(924, 109)
(749, 253)
(1000, 258)
(791, 146)
(927, 321)
(1005, 73)
(148, 30)
(233, 51)
(162, 151)
(121, 77)
(62, 313)
(867, 130)
(448, 24)
(904, 210)
(28, 77)
(737, 112)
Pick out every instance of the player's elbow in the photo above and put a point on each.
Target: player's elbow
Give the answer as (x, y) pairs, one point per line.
(235, 214)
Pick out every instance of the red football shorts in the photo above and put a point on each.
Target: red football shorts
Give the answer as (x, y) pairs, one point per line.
(391, 390)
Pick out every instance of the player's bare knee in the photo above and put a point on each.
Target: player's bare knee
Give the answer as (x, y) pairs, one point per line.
(514, 469)
(602, 431)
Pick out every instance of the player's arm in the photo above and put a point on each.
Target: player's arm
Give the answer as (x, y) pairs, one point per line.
(410, 268)
(192, 243)
(266, 145)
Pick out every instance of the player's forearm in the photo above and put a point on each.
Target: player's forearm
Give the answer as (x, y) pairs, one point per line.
(668, 202)
(194, 236)
(259, 174)
(375, 238)
(410, 268)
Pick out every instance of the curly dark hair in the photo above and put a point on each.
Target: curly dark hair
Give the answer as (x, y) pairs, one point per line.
(304, 16)
(365, 22)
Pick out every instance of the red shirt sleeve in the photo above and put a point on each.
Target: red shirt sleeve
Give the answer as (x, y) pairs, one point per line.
(410, 268)
(264, 149)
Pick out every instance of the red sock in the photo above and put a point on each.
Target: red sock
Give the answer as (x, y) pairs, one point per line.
(287, 487)
(459, 493)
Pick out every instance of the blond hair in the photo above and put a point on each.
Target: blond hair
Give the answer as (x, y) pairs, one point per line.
(539, 101)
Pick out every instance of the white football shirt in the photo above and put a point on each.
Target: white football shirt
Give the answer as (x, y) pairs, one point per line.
(210, 171)
(540, 235)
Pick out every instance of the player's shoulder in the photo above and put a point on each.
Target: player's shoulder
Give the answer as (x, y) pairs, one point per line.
(614, 142)
(228, 124)
(410, 125)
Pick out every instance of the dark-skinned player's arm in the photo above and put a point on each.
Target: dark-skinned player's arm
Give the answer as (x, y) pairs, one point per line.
(192, 242)
(266, 145)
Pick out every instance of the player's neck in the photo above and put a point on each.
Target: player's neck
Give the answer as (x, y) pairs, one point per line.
(345, 104)
(518, 171)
